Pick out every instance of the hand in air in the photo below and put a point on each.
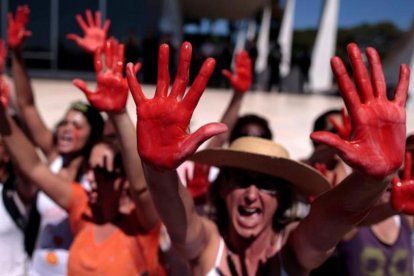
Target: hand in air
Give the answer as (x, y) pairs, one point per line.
(402, 191)
(107, 186)
(112, 88)
(16, 31)
(198, 184)
(241, 80)
(376, 145)
(94, 34)
(164, 141)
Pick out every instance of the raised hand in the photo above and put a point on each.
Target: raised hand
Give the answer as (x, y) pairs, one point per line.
(162, 123)
(4, 92)
(112, 88)
(344, 128)
(402, 191)
(107, 185)
(3, 53)
(198, 184)
(242, 78)
(16, 31)
(376, 145)
(94, 34)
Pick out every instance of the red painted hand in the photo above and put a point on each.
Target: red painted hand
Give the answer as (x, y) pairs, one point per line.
(162, 123)
(376, 145)
(3, 53)
(242, 78)
(112, 88)
(198, 184)
(94, 34)
(402, 191)
(4, 92)
(16, 31)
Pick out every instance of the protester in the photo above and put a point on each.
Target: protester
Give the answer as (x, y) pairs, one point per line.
(66, 149)
(248, 243)
(111, 235)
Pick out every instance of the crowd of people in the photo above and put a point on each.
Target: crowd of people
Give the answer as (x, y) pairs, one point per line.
(97, 195)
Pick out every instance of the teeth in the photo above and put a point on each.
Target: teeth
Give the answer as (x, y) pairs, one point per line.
(66, 137)
(248, 211)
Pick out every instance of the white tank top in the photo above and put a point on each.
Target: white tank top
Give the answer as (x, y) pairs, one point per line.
(13, 258)
(50, 256)
(215, 271)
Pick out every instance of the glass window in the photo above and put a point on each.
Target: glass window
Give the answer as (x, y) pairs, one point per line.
(70, 56)
(37, 49)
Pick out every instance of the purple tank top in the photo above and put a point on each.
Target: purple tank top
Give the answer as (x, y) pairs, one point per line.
(367, 255)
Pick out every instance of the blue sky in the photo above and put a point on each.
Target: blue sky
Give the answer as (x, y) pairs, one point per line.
(354, 12)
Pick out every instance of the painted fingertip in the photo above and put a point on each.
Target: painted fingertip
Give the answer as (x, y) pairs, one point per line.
(210, 61)
(186, 46)
(337, 65)
(129, 66)
(372, 54)
(164, 47)
(352, 46)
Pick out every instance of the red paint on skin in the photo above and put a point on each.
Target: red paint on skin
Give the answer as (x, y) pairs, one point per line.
(76, 135)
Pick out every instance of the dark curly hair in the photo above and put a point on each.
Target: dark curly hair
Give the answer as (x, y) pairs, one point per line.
(238, 129)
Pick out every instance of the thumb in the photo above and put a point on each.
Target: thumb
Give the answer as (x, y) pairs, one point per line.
(227, 74)
(73, 37)
(205, 132)
(82, 86)
(331, 140)
(27, 34)
(137, 67)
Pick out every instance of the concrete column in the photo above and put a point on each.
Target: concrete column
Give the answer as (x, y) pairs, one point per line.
(263, 39)
(320, 74)
(171, 21)
(285, 37)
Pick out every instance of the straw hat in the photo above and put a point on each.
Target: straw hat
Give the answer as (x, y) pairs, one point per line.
(264, 156)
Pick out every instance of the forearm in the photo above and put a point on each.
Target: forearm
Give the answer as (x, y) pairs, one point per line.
(21, 80)
(337, 211)
(27, 109)
(25, 157)
(379, 213)
(125, 130)
(176, 209)
(229, 118)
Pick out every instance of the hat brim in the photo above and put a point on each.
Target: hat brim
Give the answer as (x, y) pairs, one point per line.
(305, 179)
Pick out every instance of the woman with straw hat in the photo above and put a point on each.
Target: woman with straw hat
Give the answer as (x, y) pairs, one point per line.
(255, 173)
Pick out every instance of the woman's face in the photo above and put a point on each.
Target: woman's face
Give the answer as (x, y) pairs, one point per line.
(251, 201)
(107, 184)
(73, 132)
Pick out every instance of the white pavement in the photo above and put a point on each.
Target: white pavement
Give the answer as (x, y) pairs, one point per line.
(290, 115)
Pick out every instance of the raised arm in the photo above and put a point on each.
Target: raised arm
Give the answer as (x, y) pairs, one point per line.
(25, 158)
(240, 81)
(111, 96)
(375, 150)
(17, 34)
(164, 143)
(94, 35)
